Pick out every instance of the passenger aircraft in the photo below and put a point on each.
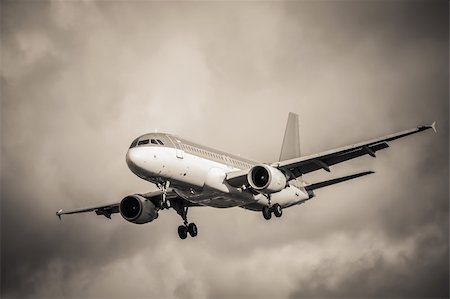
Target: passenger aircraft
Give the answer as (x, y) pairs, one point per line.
(191, 175)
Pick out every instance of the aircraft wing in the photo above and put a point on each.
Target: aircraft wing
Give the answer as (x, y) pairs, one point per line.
(105, 210)
(302, 165)
(324, 160)
(108, 209)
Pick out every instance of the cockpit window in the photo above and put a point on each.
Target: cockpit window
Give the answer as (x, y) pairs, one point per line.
(145, 141)
(134, 143)
(160, 142)
(153, 141)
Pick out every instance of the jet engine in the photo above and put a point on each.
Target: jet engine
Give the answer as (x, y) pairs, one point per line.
(137, 209)
(266, 179)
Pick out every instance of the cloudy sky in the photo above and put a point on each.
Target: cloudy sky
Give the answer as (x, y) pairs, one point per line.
(81, 79)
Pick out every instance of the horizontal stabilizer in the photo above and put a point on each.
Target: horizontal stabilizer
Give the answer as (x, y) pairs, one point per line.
(337, 180)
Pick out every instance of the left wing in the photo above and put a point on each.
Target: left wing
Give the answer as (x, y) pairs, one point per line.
(302, 165)
(105, 210)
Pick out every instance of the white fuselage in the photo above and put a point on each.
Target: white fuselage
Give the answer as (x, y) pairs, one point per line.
(201, 179)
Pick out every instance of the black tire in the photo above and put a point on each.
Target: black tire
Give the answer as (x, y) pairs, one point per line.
(182, 232)
(277, 210)
(267, 213)
(192, 229)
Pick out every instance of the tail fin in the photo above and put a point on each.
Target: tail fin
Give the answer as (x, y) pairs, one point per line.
(291, 141)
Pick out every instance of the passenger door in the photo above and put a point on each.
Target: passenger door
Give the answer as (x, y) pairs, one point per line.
(178, 149)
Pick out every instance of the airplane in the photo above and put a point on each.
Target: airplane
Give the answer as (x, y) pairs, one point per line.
(189, 175)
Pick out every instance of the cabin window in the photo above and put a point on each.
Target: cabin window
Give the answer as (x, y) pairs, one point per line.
(153, 141)
(145, 141)
(160, 142)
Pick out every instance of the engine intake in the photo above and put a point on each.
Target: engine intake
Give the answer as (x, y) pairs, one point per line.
(266, 178)
(137, 209)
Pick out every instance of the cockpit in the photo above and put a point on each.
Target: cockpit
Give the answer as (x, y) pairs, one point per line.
(149, 140)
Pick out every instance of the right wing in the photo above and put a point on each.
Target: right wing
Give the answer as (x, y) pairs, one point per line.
(302, 165)
(298, 166)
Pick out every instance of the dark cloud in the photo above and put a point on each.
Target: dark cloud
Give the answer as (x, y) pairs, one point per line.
(414, 275)
(81, 79)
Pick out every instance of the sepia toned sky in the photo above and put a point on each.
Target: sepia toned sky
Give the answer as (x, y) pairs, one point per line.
(81, 79)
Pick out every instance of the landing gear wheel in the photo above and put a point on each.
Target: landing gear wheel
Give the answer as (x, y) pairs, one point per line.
(182, 232)
(277, 210)
(192, 229)
(267, 213)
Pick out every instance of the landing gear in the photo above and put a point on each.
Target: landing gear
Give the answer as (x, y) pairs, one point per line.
(192, 229)
(165, 202)
(275, 209)
(182, 232)
(267, 213)
(181, 209)
(187, 227)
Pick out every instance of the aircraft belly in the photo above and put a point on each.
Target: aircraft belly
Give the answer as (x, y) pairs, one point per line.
(217, 201)
(287, 197)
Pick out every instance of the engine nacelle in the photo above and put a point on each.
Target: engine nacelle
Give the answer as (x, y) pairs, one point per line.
(137, 209)
(266, 179)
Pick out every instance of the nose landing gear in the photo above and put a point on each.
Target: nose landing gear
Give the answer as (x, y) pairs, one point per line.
(165, 202)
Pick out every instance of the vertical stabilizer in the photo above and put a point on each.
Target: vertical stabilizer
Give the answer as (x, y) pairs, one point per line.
(291, 141)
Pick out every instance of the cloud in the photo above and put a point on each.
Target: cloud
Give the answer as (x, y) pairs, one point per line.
(80, 80)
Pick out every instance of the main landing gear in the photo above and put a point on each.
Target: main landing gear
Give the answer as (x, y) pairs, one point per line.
(268, 210)
(183, 230)
(187, 227)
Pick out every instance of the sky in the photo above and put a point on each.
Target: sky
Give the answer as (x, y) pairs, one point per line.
(81, 79)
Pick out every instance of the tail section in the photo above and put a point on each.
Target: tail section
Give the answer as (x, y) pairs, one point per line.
(291, 141)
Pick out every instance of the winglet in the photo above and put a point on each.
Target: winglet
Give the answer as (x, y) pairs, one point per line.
(59, 214)
(433, 126)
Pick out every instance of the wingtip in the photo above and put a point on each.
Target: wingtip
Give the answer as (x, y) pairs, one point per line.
(59, 214)
(433, 126)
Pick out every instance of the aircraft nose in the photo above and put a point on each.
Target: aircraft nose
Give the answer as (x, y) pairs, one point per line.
(134, 159)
